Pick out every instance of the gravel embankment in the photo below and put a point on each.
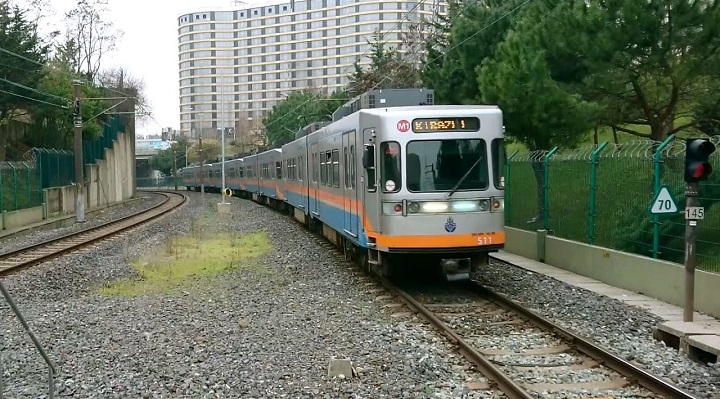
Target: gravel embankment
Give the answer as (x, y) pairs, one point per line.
(623, 328)
(263, 331)
(29, 237)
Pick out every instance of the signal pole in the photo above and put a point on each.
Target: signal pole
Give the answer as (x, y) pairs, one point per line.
(697, 169)
(691, 193)
(79, 178)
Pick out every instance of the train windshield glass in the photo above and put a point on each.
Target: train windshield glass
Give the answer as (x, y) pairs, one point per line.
(438, 165)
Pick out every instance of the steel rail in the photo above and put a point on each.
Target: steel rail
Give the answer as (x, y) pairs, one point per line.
(94, 234)
(592, 349)
(504, 383)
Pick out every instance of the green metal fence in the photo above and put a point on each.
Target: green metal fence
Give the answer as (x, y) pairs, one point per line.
(22, 183)
(601, 194)
(19, 186)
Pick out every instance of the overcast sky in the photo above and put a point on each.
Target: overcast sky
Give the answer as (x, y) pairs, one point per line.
(149, 47)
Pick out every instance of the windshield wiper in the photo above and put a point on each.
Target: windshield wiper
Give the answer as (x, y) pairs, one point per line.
(462, 179)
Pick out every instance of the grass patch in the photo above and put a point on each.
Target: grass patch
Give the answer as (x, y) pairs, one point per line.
(183, 260)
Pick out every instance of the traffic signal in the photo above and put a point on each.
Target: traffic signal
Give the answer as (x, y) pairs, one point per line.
(697, 155)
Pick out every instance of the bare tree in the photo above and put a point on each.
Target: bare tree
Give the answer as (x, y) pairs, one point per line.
(123, 82)
(89, 37)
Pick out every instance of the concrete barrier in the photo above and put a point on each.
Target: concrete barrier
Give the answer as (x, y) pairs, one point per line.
(658, 279)
(22, 217)
(109, 182)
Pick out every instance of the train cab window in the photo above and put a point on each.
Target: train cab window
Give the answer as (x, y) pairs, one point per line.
(390, 171)
(440, 165)
(336, 168)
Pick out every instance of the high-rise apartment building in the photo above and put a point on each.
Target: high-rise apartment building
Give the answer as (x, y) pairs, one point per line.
(235, 65)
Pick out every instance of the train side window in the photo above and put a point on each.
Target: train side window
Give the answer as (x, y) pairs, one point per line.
(390, 168)
(302, 168)
(323, 171)
(316, 167)
(346, 167)
(336, 167)
(352, 166)
(369, 166)
(328, 168)
(278, 169)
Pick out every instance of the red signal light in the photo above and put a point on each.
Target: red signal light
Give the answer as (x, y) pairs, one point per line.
(702, 170)
(697, 160)
(398, 208)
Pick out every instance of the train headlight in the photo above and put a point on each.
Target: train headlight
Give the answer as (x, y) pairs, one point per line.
(484, 205)
(433, 207)
(465, 206)
(413, 207)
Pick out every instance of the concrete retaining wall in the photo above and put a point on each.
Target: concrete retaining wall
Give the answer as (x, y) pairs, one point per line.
(655, 278)
(109, 182)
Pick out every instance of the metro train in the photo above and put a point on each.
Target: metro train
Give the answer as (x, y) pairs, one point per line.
(390, 186)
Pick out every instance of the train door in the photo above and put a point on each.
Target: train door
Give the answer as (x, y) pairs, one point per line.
(315, 186)
(371, 200)
(350, 203)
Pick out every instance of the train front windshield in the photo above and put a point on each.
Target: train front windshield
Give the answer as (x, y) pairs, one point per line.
(439, 165)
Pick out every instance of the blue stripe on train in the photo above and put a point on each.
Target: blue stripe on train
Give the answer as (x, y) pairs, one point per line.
(329, 214)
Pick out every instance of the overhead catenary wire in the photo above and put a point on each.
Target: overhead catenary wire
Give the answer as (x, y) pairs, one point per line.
(34, 99)
(70, 74)
(33, 90)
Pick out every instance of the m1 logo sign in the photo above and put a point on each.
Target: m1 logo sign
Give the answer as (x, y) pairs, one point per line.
(403, 126)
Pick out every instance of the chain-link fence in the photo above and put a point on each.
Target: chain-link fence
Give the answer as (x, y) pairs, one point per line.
(601, 195)
(22, 182)
(19, 186)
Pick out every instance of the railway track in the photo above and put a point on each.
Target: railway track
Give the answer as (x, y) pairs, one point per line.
(518, 354)
(33, 254)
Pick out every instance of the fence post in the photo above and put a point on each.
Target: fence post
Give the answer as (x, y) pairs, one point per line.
(657, 182)
(2, 197)
(507, 192)
(546, 189)
(38, 166)
(15, 194)
(593, 191)
(29, 186)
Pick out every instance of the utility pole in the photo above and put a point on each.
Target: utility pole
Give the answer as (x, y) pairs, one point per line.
(79, 178)
(175, 178)
(202, 166)
(222, 139)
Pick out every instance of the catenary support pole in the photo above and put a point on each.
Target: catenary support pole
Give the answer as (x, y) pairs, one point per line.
(79, 178)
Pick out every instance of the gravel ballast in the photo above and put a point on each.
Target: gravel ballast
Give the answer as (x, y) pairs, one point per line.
(625, 329)
(265, 330)
(34, 236)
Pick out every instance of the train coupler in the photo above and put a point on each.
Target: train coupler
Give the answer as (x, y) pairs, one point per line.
(456, 269)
